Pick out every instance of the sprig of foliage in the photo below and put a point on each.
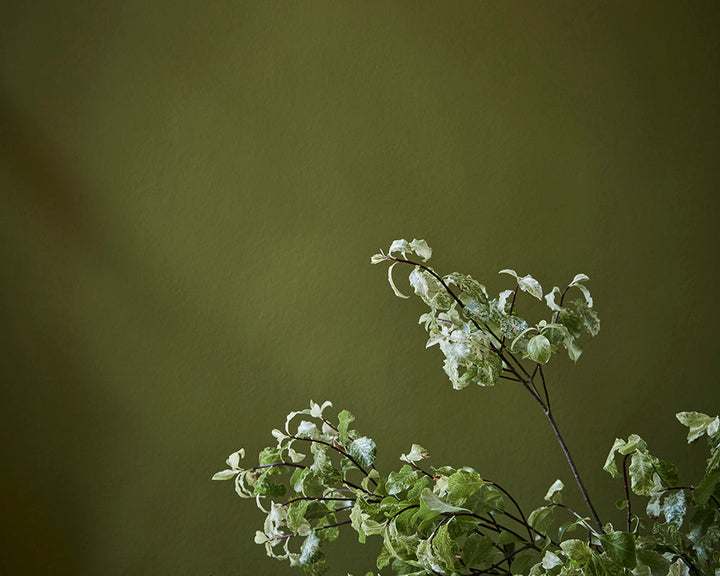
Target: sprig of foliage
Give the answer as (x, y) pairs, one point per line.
(320, 475)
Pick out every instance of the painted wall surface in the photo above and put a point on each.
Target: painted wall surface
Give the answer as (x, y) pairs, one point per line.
(190, 195)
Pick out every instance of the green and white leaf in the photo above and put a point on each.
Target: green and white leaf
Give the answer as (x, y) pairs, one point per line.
(699, 424)
(363, 450)
(539, 349)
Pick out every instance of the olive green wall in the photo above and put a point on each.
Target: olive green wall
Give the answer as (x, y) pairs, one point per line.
(191, 192)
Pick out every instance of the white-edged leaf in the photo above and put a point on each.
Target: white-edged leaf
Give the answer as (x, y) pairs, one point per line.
(698, 424)
(234, 459)
(316, 411)
(579, 278)
(531, 286)
(399, 246)
(586, 293)
(434, 503)
(416, 454)
(610, 466)
(503, 298)
(421, 248)
(225, 474)
(539, 349)
(392, 283)
(550, 299)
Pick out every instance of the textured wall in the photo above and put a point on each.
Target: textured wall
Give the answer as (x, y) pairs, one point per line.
(190, 193)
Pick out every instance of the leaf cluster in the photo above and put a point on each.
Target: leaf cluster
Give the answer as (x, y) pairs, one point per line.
(320, 475)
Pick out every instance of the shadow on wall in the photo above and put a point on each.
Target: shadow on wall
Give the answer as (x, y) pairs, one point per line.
(55, 422)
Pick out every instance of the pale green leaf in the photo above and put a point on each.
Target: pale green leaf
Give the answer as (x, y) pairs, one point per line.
(634, 442)
(478, 548)
(421, 248)
(554, 493)
(225, 474)
(345, 418)
(434, 503)
(698, 424)
(539, 349)
(399, 481)
(551, 560)
(641, 472)
(416, 454)
(463, 484)
(707, 486)
(577, 550)
(531, 286)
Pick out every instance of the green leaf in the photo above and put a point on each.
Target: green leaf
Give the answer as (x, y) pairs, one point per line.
(570, 526)
(542, 518)
(577, 550)
(270, 456)
(296, 515)
(345, 418)
(432, 502)
(634, 442)
(706, 487)
(463, 484)
(398, 482)
(446, 547)
(641, 472)
(539, 349)
(698, 424)
(657, 563)
(265, 487)
(620, 547)
(324, 470)
(363, 450)
(610, 466)
(573, 347)
(478, 548)
(667, 472)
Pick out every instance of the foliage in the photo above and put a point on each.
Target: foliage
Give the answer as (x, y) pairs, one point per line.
(320, 476)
